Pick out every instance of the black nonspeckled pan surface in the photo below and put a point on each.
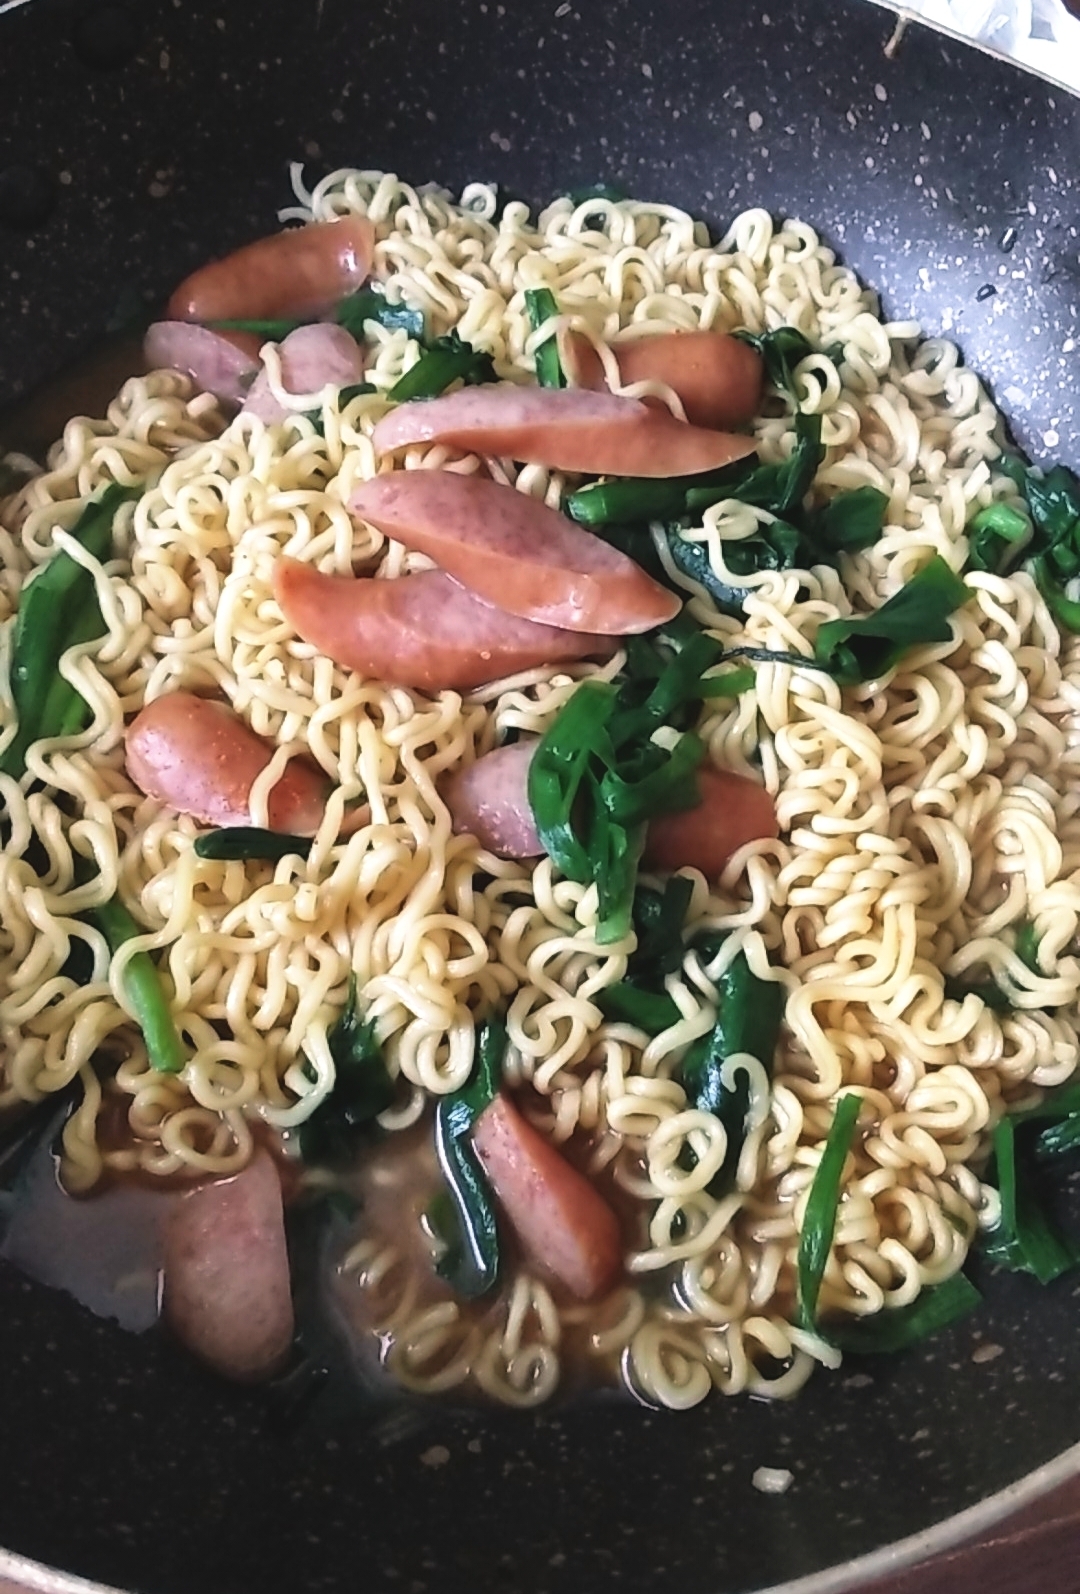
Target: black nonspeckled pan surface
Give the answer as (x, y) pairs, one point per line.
(133, 143)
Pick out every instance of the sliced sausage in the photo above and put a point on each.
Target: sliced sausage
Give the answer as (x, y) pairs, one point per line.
(312, 357)
(562, 1221)
(200, 758)
(227, 1290)
(733, 811)
(298, 272)
(513, 551)
(489, 799)
(718, 378)
(423, 631)
(222, 363)
(566, 429)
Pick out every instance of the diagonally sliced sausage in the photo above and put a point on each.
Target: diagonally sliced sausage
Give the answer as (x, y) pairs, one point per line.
(718, 378)
(515, 552)
(298, 272)
(565, 429)
(221, 363)
(489, 799)
(423, 631)
(733, 811)
(200, 758)
(561, 1219)
(227, 1289)
(312, 357)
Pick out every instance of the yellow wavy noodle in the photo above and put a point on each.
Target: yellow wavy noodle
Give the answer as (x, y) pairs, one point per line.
(921, 820)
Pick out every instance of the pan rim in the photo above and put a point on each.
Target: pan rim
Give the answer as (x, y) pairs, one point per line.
(947, 1534)
(899, 1556)
(906, 18)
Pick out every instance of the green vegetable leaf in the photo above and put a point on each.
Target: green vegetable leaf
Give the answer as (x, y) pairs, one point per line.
(144, 988)
(748, 1015)
(624, 1003)
(729, 683)
(1053, 498)
(541, 306)
(669, 787)
(272, 328)
(692, 560)
(848, 523)
(631, 500)
(997, 537)
(1025, 1240)
(659, 917)
(1053, 551)
(370, 305)
(898, 1329)
(778, 488)
(819, 1220)
(999, 994)
(866, 648)
(1058, 1139)
(781, 351)
(1065, 610)
(677, 686)
(362, 1089)
(640, 998)
(1055, 1107)
(351, 313)
(560, 776)
(446, 360)
(472, 1260)
(597, 775)
(58, 608)
(245, 842)
(996, 999)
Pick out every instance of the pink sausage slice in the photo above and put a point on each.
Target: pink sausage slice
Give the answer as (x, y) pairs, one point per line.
(227, 1289)
(718, 378)
(298, 272)
(489, 799)
(515, 552)
(224, 364)
(733, 811)
(562, 1220)
(423, 631)
(565, 429)
(200, 758)
(312, 357)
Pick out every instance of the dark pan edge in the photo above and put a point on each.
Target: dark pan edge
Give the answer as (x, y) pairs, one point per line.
(956, 1530)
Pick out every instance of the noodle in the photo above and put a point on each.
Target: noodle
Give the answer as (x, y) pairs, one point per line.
(921, 820)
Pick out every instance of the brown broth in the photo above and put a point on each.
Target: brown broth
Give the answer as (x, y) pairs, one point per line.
(86, 387)
(394, 1184)
(105, 1250)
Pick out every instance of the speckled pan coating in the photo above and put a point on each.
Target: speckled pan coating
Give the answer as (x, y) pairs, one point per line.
(133, 145)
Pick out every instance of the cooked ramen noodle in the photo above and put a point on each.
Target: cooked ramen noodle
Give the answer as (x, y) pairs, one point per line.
(923, 817)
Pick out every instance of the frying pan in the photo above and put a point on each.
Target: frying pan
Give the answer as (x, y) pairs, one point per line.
(135, 141)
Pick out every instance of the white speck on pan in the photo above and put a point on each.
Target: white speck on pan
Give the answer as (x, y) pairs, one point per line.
(773, 1480)
(987, 1353)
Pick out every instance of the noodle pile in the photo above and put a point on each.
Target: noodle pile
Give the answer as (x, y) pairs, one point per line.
(921, 821)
